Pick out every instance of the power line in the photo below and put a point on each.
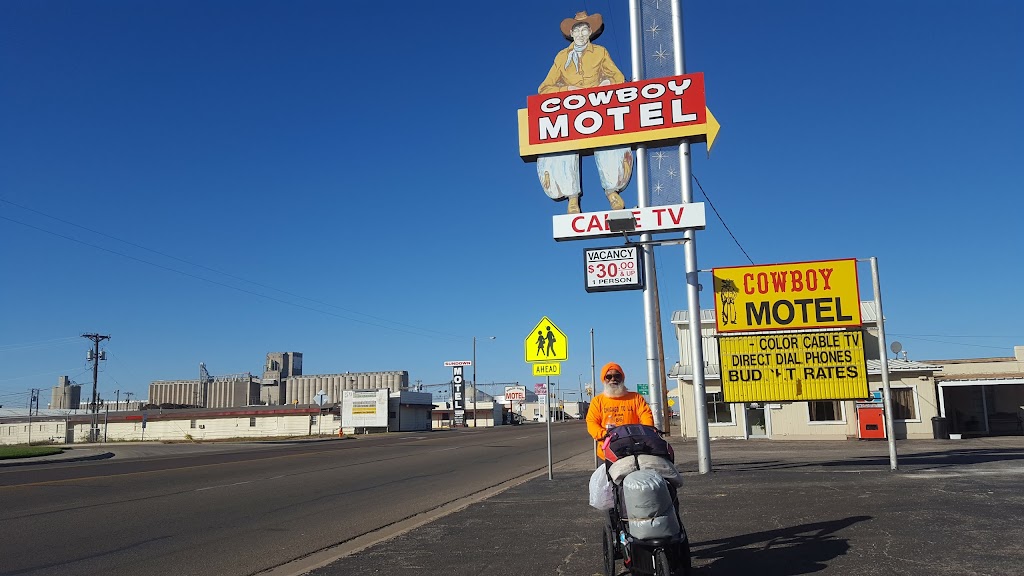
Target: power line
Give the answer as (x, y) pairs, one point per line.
(952, 343)
(948, 335)
(228, 286)
(39, 344)
(720, 219)
(214, 270)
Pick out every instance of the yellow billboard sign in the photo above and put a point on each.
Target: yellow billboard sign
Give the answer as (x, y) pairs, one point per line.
(794, 366)
(547, 368)
(822, 294)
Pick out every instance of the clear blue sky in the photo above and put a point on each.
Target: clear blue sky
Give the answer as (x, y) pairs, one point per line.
(209, 181)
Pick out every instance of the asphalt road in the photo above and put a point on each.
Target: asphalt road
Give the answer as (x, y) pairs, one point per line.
(248, 508)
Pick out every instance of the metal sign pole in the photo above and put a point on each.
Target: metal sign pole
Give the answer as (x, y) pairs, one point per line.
(692, 281)
(547, 418)
(652, 309)
(890, 434)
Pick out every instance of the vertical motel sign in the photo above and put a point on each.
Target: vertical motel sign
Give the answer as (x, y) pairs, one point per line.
(458, 391)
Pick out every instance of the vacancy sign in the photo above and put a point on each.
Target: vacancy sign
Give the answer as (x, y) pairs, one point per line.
(671, 218)
(793, 366)
(658, 109)
(614, 268)
(821, 294)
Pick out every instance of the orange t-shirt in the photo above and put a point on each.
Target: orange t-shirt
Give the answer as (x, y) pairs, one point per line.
(605, 411)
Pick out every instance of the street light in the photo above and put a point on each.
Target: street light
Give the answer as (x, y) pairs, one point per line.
(474, 377)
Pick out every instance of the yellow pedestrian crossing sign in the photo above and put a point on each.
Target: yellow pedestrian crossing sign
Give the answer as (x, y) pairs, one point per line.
(546, 343)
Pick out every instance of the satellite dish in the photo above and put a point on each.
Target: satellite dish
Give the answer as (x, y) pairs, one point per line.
(896, 347)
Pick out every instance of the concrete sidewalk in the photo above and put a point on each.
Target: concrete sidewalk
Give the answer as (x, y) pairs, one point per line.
(769, 508)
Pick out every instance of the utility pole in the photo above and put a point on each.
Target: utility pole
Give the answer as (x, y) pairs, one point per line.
(31, 399)
(95, 356)
(127, 397)
(117, 400)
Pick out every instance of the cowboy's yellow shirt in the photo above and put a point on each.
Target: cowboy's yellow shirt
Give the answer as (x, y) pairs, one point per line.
(595, 65)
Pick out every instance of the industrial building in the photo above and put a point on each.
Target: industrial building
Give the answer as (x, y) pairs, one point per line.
(66, 395)
(282, 383)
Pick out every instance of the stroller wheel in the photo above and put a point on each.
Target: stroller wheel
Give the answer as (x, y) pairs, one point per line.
(662, 567)
(608, 547)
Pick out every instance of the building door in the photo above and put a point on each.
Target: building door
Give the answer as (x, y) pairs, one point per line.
(757, 420)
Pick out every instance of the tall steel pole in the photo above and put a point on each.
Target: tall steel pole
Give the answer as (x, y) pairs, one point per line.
(547, 418)
(890, 434)
(652, 309)
(692, 281)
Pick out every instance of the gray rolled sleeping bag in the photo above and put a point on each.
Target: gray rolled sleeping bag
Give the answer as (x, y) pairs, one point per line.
(648, 504)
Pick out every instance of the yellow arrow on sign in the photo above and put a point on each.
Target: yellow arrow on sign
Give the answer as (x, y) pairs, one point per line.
(709, 129)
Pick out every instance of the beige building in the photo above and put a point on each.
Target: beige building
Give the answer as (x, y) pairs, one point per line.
(913, 387)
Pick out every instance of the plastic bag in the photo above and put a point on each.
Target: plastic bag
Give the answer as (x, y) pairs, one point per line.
(601, 496)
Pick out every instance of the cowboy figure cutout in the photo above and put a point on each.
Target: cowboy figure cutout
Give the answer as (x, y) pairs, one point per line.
(583, 65)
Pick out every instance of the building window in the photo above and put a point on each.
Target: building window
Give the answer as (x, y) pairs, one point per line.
(312, 419)
(191, 423)
(252, 422)
(718, 411)
(825, 411)
(903, 404)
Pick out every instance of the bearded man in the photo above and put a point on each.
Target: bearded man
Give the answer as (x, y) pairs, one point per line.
(616, 405)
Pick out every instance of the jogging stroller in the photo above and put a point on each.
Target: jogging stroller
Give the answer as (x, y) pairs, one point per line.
(644, 528)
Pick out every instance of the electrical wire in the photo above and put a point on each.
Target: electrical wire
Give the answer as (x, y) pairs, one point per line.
(39, 344)
(228, 286)
(720, 219)
(214, 270)
(951, 343)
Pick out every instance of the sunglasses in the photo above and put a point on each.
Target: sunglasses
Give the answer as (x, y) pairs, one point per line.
(613, 376)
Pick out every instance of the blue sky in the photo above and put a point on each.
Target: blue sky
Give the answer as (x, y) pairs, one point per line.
(209, 181)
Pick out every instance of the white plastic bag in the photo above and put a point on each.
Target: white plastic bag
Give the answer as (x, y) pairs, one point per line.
(601, 496)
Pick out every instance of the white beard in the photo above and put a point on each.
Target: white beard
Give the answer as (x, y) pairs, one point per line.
(615, 391)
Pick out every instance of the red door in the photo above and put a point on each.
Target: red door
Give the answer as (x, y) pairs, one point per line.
(870, 422)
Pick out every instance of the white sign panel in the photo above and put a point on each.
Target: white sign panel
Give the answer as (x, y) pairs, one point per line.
(364, 408)
(458, 363)
(672, 218)
(615, 268)
(515, 393)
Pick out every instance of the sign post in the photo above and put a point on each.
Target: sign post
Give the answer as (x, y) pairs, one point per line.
(320, 399)
(458, 391)
(578, 112)
(514, 394)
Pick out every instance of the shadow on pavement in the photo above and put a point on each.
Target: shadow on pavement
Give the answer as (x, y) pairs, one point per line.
(801, 549)
(62, 457)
